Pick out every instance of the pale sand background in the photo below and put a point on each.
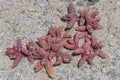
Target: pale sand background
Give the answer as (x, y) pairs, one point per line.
(31, 18)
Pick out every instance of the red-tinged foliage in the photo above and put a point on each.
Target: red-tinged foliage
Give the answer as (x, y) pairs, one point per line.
(55, 43)
(51, 45)
(71, 17)
(89, 50)
(88, 23)
(44, 62)
(91, 20)
(60, 57)
(17, 52)
(32, 48)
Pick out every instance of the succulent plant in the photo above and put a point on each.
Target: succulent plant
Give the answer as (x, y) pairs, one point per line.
(52, 44)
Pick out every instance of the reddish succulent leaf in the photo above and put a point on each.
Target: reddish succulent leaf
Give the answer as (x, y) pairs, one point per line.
(55, 47)
(43, 61)
(71, 23)
(62, 42)
(93, 40)
(11, 51)
(102, 54)
(70, 41)
(71, 8)
(38, 67)
(71, 17)
(52, 31)
(31, 59)
(49, 69)
(86, 45)
(81, 28)
(49, 40)
(59, 32)
(82, 60)
(89, 29)
(79, 51)
(66, 18)
(91, 57)
(76, 38)
(70, 46)
(25, 52)
(79, 36)
(42, 42)
(58, 59)
(51, 55)
(42, 52)
(17, 60)
(86, 14)
(67, 34)
(88, 49)
(67, 57)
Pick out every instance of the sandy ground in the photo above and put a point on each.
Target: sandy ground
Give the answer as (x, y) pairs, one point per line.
(32, 18)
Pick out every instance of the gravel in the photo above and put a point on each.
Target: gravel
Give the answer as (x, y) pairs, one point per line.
(32, 18)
